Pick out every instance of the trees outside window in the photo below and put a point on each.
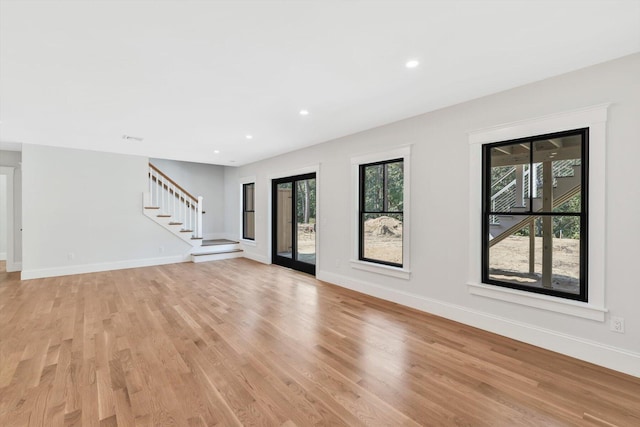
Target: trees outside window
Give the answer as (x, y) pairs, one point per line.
(381, 212)
(535, 214)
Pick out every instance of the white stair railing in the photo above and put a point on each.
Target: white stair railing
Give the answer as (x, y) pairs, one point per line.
(505, 198)
(175, 202)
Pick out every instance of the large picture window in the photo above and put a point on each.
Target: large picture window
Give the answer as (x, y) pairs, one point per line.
(381, 212)
(535, 214)
(248, 212)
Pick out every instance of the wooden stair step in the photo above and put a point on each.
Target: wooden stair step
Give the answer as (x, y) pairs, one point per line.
(232, 251)
(175, 223)
(219, 242)
(152, 207)
(196, 238)
(186, 231)
(163, 216)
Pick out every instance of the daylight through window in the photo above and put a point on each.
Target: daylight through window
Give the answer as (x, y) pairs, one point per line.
(248, 212)
(534, 214)
(381, 212)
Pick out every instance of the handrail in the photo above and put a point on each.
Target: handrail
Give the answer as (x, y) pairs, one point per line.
(194, 198)
(513, 168)
(181, 207)
(190, 201)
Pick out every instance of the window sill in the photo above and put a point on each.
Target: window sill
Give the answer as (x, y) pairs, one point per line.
(386, 270)
(248, 242)
(544, 302)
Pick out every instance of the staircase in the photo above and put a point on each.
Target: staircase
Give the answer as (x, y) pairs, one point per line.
(178, 211)
(215, 250)
(567, 180)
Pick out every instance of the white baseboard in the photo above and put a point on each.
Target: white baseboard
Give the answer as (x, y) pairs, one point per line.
(105, 266)
(608, 356)
(3, 256)
(13, 266)
(259, 258)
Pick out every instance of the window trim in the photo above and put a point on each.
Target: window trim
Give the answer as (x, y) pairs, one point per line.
(583, 214)
(362, 211)
(594, 118)
(404, 271)
(245, 210)
(242, 181)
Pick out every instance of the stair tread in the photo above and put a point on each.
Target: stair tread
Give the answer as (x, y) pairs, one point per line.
(186, 231)
(231, 251)
(163, 216)
(218, 242)
(175, 223)
(152, 207)
(196, 238)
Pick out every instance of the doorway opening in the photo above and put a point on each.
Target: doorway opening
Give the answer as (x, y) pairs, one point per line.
(294, 222)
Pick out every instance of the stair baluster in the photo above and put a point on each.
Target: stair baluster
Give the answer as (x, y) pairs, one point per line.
(172, 203)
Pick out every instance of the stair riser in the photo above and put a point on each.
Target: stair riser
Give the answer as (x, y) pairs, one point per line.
(215, 257)
(217, 248)
(174, 229)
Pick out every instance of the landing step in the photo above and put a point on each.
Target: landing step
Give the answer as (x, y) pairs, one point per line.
(216, 256)
(216, 242)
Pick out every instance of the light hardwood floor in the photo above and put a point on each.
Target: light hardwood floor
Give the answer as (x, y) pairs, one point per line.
(236, 342)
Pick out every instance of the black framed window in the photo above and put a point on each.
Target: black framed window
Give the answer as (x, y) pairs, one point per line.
(381, 212)
(535, 199)
(248, 211)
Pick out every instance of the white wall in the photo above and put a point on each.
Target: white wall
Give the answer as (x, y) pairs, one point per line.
(440, 211)
(204, 180)
(83, 212)
(3, 217)
(13, 159)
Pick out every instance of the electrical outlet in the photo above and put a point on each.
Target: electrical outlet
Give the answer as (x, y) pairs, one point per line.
(617, 324)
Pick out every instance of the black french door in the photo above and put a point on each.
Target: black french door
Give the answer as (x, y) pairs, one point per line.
(293, 228)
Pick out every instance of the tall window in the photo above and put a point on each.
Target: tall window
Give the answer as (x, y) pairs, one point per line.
(381, 212)
(248, 212)
(535, 214)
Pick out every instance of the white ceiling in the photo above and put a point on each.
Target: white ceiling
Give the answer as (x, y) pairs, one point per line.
(191, 77)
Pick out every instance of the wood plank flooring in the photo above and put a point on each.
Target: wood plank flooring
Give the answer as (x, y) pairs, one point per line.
(240, 343)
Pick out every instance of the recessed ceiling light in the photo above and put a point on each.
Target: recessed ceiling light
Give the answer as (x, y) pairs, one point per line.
(412, 63)
(304, 112)
(216, 151)
(249, 136)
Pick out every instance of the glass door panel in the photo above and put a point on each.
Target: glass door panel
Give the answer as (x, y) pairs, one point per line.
(294, 222)
(284, 243)
(306, 221)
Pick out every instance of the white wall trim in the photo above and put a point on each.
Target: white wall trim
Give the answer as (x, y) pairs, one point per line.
(593, 117)
(387, 270)
(403, 152)
(105, 266)
(241, 181)
(10, 256)
(259, 258)
(610, 357)
(545, 302)
(315, 168)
